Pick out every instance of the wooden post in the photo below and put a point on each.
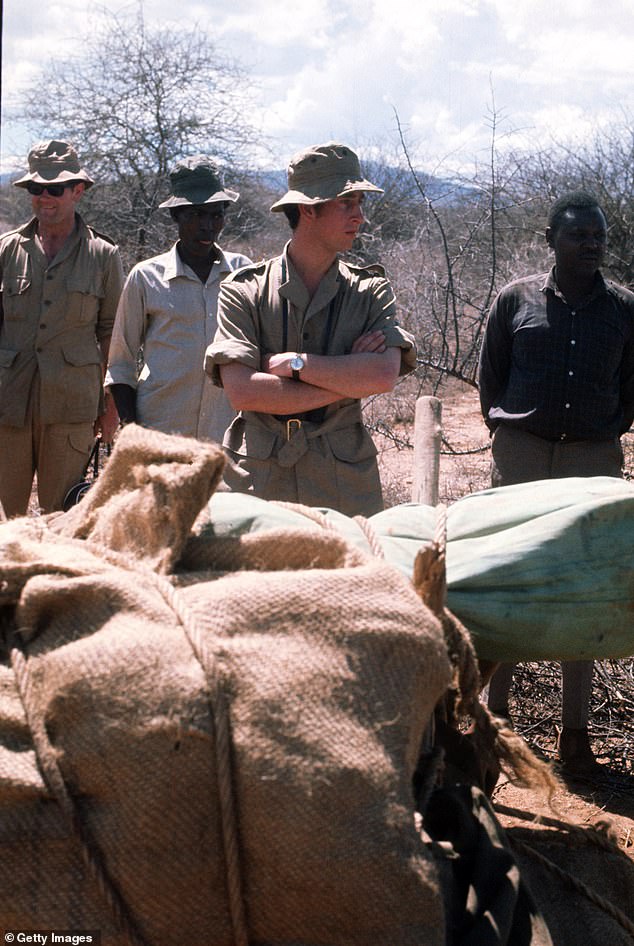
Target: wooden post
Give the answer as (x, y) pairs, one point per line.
(427, 441)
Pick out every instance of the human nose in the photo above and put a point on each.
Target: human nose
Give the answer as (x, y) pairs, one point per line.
(206, 223)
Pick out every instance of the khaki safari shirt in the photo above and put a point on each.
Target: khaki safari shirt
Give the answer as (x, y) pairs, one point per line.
(168, 312)
(54, 315)
(331, 461)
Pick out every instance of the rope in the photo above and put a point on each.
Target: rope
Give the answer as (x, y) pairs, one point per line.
(220, 716)
(430, 567)
(576, 884)
(54, 781)
(371, 535)
(308, 511)
(311, 513)
(589, 835)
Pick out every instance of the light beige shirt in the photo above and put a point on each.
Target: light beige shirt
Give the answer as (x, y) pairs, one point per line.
(166, 312)
(55, 316)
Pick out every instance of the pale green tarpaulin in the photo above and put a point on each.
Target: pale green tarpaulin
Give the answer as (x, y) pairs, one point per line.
(538, 571)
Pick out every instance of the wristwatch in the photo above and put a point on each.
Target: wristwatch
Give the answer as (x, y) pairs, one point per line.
(297, 365)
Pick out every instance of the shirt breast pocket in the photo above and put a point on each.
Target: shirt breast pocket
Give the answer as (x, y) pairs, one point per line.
(84, 298)
(14, 297)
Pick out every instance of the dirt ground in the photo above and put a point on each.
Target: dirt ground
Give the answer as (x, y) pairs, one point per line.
(464, 468)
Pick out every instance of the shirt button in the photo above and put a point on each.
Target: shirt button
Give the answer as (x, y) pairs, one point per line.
(43, 325)
(47, 302)
(573, 342)
(563, 437)
(50, 276)
(567, 406)
(571, 373)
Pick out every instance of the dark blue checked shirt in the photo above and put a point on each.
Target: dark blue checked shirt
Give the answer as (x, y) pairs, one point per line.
(559, 372)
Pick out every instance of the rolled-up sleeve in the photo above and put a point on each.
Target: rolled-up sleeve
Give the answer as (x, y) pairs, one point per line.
(383, 318)
(236, 336)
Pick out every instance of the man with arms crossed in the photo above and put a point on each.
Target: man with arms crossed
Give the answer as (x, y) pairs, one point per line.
(301, 339)
(556, 385)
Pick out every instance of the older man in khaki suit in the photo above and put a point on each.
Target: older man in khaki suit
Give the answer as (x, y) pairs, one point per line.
(301, 339)
(61, 282)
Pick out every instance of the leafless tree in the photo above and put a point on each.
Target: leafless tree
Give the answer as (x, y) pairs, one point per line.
(134, 99)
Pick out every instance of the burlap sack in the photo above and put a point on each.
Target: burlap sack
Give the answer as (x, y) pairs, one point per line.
(219, 757)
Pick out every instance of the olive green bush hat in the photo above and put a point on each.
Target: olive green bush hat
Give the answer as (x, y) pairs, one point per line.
(54, 162)
(321, 173)
(197, 180)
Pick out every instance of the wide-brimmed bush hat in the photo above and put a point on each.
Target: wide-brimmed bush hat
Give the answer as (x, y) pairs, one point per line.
(197, 180)
(321, 173)
(54, 162)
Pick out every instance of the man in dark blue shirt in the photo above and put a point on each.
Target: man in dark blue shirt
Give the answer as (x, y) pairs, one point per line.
(556, 381)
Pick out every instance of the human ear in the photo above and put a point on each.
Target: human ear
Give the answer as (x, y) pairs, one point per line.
(307, 210)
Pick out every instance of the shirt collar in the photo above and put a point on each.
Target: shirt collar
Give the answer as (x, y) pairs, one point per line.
(550, 283)
(29, 230)
(295, 291)
(175, 267)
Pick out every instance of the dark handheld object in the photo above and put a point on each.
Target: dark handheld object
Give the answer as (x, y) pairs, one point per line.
(77, 492)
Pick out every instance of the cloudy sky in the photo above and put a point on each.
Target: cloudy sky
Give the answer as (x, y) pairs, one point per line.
(333, 69)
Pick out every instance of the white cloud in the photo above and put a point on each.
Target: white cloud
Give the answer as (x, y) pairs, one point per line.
(325, 69)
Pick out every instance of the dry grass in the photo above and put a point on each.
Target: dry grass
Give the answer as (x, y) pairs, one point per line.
(535, 706)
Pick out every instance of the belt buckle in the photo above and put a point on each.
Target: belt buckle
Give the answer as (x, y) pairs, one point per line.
(293, 424)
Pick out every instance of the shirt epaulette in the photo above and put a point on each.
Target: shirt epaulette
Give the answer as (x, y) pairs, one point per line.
(245, 272)
(102, 236)
(369, 271)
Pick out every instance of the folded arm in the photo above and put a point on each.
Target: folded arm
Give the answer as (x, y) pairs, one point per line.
(370, 368)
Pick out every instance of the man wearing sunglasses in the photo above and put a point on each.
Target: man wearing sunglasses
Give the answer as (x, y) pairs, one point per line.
(167, 312)
(61, 282)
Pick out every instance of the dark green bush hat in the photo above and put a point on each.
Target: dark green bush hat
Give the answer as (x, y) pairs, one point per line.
(321, 173)
(54, 162)
(197, 180)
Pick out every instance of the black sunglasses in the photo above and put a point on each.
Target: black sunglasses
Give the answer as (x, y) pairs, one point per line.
(55, 190)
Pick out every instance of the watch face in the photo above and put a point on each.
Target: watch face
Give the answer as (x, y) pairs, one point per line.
(297, 363)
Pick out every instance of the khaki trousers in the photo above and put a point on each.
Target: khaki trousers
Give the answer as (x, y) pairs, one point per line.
(58, 453)
(519, 457)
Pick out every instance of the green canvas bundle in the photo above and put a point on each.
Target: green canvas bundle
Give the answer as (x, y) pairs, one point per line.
(538, 571)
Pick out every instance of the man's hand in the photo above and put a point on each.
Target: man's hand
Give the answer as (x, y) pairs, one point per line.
(106, 425)
(279, 365)
(371, 341)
